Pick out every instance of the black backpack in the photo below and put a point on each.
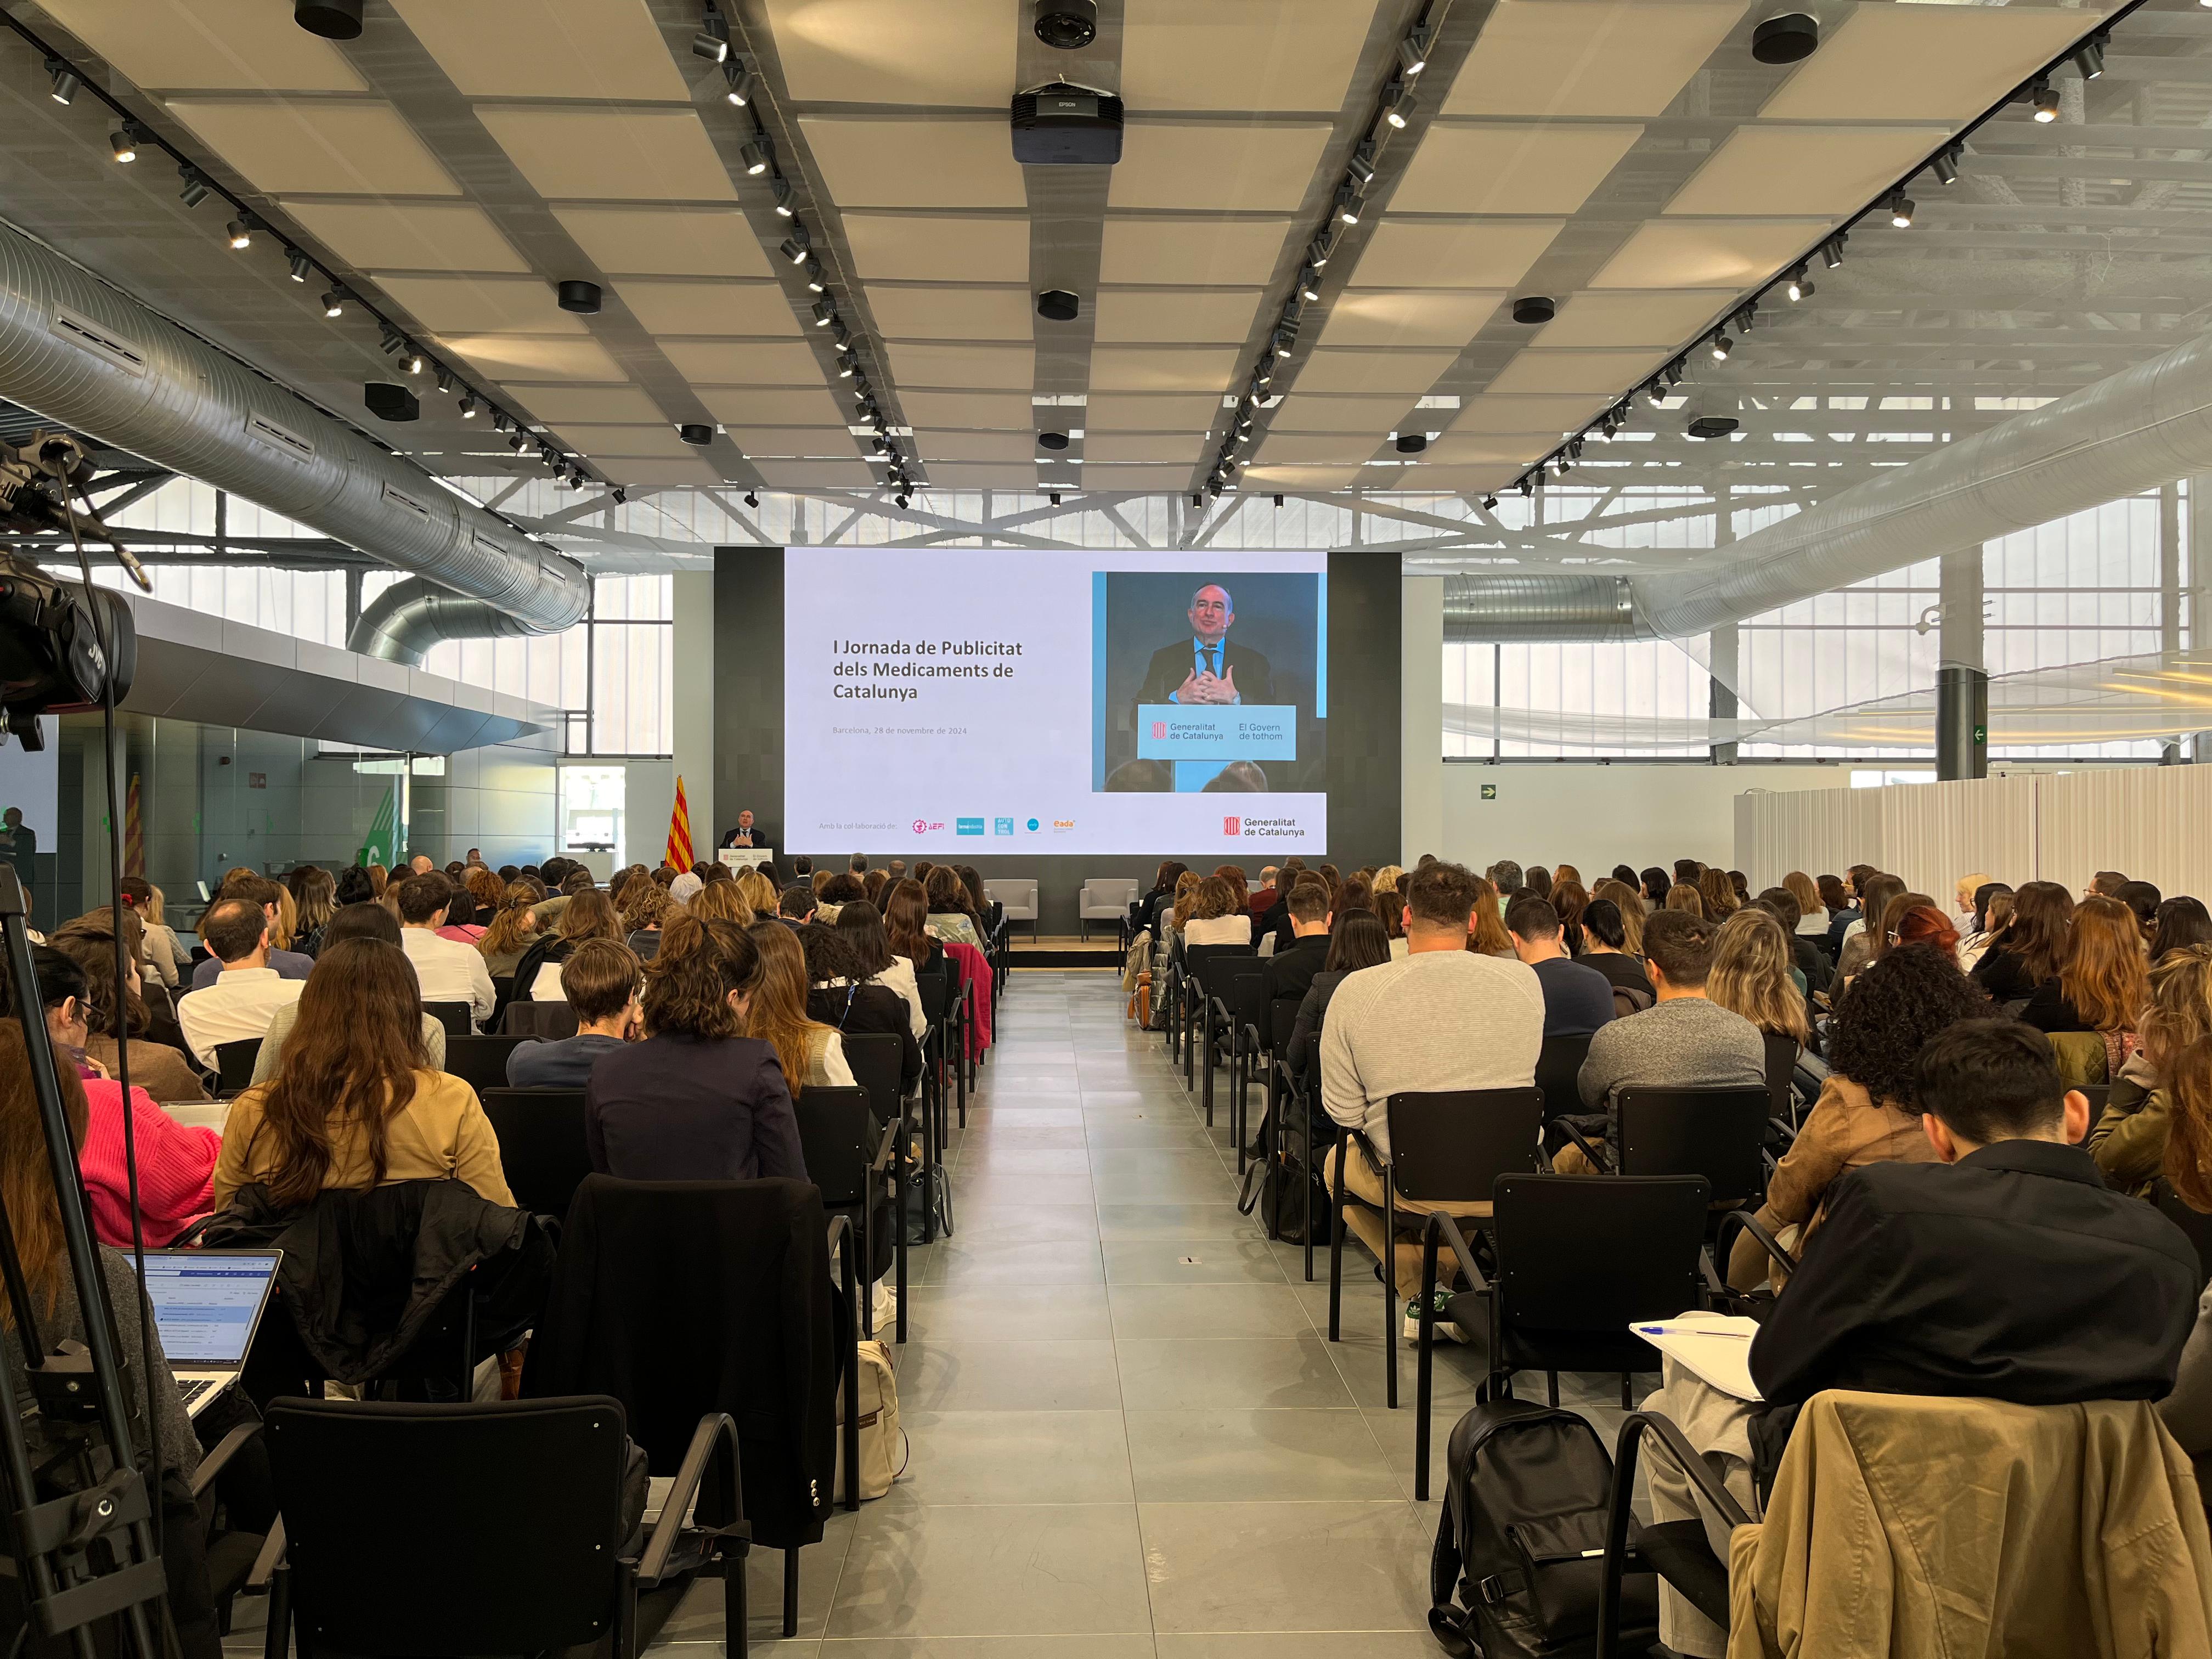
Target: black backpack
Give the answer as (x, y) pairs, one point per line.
(1286, 1190)
(1520, 1539)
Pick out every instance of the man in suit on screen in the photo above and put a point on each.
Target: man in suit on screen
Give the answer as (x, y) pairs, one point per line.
(1206, 667)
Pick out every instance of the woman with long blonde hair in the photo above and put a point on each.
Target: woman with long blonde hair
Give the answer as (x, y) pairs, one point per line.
(512, 931)
(378, 878)
(757, 891)
(1684, 896)
(1751, 973)
(812, 1054)
(2104, 983)
(1186, 898)
(1628, 899)
(721, 901)
(1812, 914)
(2129, 1139)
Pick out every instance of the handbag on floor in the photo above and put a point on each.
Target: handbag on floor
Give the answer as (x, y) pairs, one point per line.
(1285, 1190)
(1520, 1539)
(883, 1448)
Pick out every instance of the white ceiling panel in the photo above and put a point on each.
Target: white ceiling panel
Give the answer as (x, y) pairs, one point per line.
(609, 154)
(1499, 168)
(1762, 171)
(1504, 448)
(1410, 372)
(1175, 316)
(1924, 63)
(409, 235)
(1110, 480)
(751, 308)
(662, 474)
(1286, 54)
(963, 367)
(622, 405)
(535, 357)
(1320, 413)
(322, 148)
(918, 247)
(1425, 476)
(207, 46)
(947, 162)
(1126, 411)
(1620, 317)
(570, 49)
(821, 442)
(1299, 477)
(870, 51)
(975, 409)
(816, 475)
(976, 475)
(1416, 253)
(1005, 447)
(1193, 252)
(1708, 253)
(1161, 368)
(1587, 57)
(656, 241)
(1590, 373)
(754, 406)
(1239, 167)
(482, 305)
(660, 441)
(743, 362)
(1315, 449)
(1155, 446)
(1408, 317)
(950, 313)
(1489, 414)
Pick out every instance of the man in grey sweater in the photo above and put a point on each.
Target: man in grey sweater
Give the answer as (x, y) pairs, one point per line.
(1439, 1018)
(1682, 1042)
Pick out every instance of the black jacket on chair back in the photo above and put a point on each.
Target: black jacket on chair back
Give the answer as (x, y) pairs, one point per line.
(681, 1298)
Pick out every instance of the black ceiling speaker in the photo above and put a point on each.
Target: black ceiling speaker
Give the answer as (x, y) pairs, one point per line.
(1411, 443)
(1052, 439)
(1069, 25)
(1057, 305)
(1711, 426)
(334, 19)
(1789, 38)
(1534, 309)
(697, 434)
(391, 403)
(581, 296)
(1061, 125)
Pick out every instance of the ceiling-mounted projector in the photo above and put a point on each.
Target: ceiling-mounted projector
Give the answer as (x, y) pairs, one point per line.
(1064, 125)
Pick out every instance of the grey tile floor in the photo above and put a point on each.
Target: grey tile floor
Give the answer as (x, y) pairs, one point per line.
(1131, 1438)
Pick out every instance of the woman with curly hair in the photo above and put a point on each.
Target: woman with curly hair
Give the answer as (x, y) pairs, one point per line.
(1218, 917)
(2128, 1138)
(1867, 1112)
(646, 909)
(1718, 893)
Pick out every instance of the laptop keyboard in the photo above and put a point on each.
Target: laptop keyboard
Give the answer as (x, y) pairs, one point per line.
(197, 1389)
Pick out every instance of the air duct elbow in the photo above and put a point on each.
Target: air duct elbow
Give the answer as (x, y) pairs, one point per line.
(405, 620)
(1530, 607)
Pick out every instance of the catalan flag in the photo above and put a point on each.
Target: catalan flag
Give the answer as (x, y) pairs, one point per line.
(134, 835)
(680, 830)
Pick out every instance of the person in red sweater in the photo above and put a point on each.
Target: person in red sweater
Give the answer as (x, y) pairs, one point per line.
(176, 1166)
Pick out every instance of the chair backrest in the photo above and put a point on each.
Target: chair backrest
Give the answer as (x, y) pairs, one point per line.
(233, 1064)
(1713, 1132)
(936, 993)
(1558, 1072)
(837, 1134)
(453, 1015)
(1282, 1020)
(1017, 894)
(1593, 1253)
(1454, 1144)
(554, 1022)
(1781, 1068)
(541, 1144)
(2195, 1222)
(480, 1061)
(419, 1530)
(1113, 890)
(1247, 999)
(875, 1058)
(1196, 959)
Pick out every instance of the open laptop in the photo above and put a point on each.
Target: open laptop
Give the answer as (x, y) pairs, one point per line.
(207, 1306)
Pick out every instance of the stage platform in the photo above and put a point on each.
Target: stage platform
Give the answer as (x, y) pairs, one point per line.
(1062, 953)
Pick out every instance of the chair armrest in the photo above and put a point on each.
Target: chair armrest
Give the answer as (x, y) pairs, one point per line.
(1694, 1468)
(1750, 1223)
(1375, 1160)
(1441, 1229)
(882, 1160)
(1783, 1128)
(715, 1435)
(270, 1559)
(1600, 1160)
(211, 1463)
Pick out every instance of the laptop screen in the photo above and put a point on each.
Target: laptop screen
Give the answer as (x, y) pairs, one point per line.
(205, 1302)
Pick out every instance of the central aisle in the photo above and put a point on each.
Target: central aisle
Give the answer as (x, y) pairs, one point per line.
(1131, 1436)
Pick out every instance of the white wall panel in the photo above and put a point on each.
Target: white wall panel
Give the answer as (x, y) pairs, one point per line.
(1934, 833)
(2148, 821)
(1820, 831)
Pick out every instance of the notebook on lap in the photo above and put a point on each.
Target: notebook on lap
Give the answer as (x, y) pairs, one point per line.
(207, 1306)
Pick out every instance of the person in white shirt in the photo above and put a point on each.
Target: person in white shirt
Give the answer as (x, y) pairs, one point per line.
(1217, 918)
(447, 970)
(247, 992)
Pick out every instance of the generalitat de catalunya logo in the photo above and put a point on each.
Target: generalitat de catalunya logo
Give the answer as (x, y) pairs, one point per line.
(1159, 728)
(1232, 826)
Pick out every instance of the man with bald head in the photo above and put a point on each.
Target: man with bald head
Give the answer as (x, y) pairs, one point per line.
(1206, 667)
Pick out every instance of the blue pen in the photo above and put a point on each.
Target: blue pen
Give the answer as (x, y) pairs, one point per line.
(1691, 1330)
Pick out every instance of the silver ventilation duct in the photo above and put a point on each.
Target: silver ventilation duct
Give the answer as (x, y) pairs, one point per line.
(405, 620)
(80, 353)
(2141, 428)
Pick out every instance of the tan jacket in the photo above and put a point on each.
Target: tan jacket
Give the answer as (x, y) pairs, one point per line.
(1845, 1130)
(443, 1133)
(1902, 1527)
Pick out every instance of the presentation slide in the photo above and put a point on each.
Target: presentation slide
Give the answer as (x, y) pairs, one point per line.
(1166, 704)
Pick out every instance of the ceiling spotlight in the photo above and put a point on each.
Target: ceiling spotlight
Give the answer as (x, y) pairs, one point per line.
(2089, 56)
(1066, 25)
(499, 420)
(446, 382)
(1347, 205)
(1831, 251)
(1320, 248)
(740, 80)
(1285, 340)
(334, 19)
(1525, 486)
(825, 312)
(841, 337)
(752, 499)
(299, 263)
(1413, 51)
(334, 303)
(518, 442)
(468, 406)
(1057, 305)
(413, 359)
(1399, 102)
(796, 247)
(1900, 209)
(580, 296)
(238, 234)
(620, 495)
(124, 145)
(848, 365)
(815, 281)
(1797, 288)
(880, 444)
(1655, 394)
(758, 154)
(1490, 503)
(66, 80)
(712, 42)
(1946, 165)
(1056, 498)
(697, 434)
(900, 499)
(1308, 283)
(779, 189)
(1265, 372)
(1789, 38)
(1722, 346)
(2045, 97)
(196, 188)
(1361, 166)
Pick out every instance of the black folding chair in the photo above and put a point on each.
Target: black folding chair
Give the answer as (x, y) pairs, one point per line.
(1580, 1258)
(481, 1061)
(1558, 1071)
(233, 1066)
(1678, 1551)
(874, 1058)
(1199, 993)
(541, 1144)
(848, 1155)
(1782, 1052)
(1288, 1105)
(387, 1543)
(1445, 1147)
(553, 1022)
(1249, 1029)
(1719, 1134)
(453, 1015)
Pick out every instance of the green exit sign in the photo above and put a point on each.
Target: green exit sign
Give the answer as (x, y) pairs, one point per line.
(1489, 791)
(1981, 736)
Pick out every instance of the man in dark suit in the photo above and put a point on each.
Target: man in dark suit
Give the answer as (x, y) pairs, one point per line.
(1206, 668)
(1289, 973)
(748, 833)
